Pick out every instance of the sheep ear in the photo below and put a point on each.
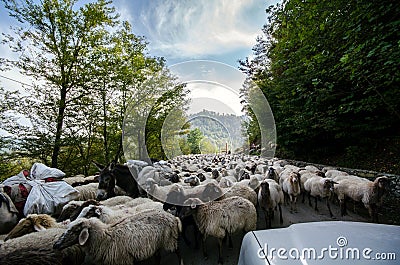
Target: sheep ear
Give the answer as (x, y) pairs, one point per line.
(97, 211)
(38, 227)
(83, 236)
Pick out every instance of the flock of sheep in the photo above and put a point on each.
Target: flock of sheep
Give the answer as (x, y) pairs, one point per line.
(217, 195)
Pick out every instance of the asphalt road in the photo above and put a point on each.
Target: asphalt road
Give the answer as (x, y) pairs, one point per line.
(192, 256)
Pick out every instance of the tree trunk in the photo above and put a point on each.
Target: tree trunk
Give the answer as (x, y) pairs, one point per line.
(60, 120)
(105, 138)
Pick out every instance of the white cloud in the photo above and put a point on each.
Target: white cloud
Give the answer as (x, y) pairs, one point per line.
(193, 29)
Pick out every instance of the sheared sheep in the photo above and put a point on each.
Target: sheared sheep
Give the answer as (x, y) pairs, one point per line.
(319, 187)
(270, 196)
(33, 223)
(134, 238)
(43, 241)
(221, 218)
(369, 193)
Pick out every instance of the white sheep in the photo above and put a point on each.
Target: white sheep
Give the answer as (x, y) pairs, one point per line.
(319, 187)
(241, 191)
(111, 214)
(253, 182)
(290, 183)
(89, 191)
(332, 173)
(134, 238)
(221, 218)
(270, 196)
(368, 192)
(42, 241)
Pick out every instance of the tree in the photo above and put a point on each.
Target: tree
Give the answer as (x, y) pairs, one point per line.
(194, 138)
(53, 48)
(329, 70)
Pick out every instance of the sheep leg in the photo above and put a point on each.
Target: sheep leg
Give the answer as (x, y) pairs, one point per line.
(204, 247)
(329, 207)
(178, 254)
(280, 214)
(316, 208)
(309, 199)
(230, 244)
(304, 196)
(343, 210)
(295, 203)
(220, 260)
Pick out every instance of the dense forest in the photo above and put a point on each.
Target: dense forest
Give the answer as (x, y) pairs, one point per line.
(330, 72)
(222, 129)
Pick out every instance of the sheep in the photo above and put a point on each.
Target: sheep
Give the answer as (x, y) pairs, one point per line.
(320, 187)
(72, 209)
(332, 173)
(306, 175)
(370, 193)
(109, 215)
(351, 177)
(221, 218)
(80, 180)
(41, 241)
(225, 182)
(134, 238)
(193, 180)
(33, 223)
(8, 213)
(272, 174)
(290, 183)
(241, 191)
(270, 196)
(253, 183)
(89, 191)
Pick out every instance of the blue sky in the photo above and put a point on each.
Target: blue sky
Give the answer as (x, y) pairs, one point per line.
(183, 30)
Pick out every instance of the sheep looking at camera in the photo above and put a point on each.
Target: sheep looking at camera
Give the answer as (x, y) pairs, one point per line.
(319, 187)
(134, 238)
(270, 196)
(290, 183)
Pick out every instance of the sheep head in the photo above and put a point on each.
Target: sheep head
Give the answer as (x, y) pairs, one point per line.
(189, 207)
(32, 223)
(77, 232)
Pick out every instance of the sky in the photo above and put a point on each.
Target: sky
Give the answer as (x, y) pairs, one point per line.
(182, 30)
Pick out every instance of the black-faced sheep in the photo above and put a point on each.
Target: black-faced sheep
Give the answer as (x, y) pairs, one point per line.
(270, 196)
(127, 241)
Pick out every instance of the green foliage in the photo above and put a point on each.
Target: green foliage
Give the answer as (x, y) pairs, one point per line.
(329, 70)
(90, 67)
(194, 138)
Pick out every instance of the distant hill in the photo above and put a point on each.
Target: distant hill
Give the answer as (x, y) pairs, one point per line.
(219, 128)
